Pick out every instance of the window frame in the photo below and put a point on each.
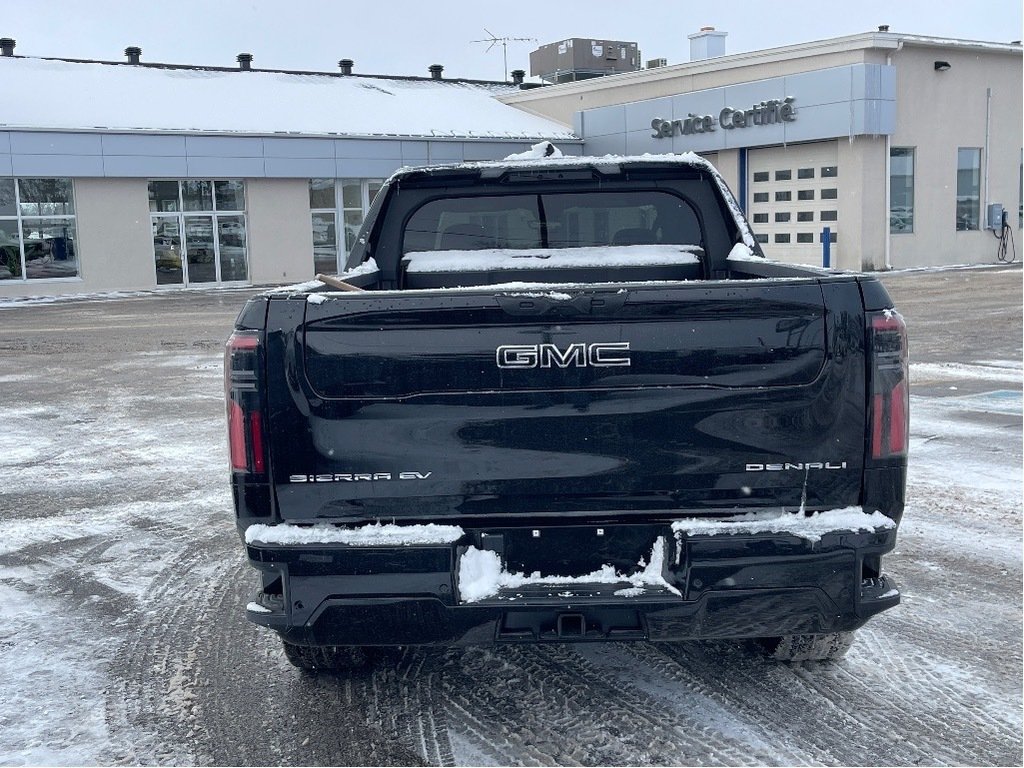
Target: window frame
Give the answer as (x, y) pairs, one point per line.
(909, 216)
(215, 214)
(19, 218)
(975, 191)
(341, 247)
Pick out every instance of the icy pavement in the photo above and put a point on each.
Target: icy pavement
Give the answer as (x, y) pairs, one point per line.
(123, 589)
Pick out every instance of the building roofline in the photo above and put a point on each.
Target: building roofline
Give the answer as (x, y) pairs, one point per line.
(888, 41)
(211, 68)
(340, 136)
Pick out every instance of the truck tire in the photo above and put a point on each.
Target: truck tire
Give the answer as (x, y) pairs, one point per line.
(336, 658)
(827, 647)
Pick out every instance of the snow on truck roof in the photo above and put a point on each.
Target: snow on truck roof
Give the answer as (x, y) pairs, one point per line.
(165, 98)
(545, 155)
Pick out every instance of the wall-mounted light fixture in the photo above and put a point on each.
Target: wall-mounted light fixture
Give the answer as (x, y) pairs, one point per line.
(941, 66)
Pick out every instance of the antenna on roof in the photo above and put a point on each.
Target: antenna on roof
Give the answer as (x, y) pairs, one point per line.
(504, 41)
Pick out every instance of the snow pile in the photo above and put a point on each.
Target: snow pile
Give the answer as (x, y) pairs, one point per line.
(978, 371)
(368, 267)
(481, 575)
(488, 259)
(316, 298)
(811, 528)
(742, 252)
(374, 535)
(537, 152)
(309, 285)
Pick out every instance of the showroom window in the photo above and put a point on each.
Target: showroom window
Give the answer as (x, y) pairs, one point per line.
(332, 201)
(199, 231)
(901, 189)
(968, 188)
(38, 238)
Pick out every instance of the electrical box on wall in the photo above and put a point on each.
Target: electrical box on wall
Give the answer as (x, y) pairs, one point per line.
(994, 219)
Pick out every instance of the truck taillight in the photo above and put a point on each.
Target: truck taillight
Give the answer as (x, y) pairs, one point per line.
(245, 412)
(889, 406)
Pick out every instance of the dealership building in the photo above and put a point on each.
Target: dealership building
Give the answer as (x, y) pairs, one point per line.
(874, 151)
(897, 144)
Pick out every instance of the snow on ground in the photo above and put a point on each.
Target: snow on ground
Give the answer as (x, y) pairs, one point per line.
(104, 483)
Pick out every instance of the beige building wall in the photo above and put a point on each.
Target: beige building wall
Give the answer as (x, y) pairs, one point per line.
(115, 242)
(939, 112)
(862, 202)
(115, 246)
(280, 231)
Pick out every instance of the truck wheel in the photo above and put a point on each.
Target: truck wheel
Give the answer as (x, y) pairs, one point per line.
(827, 647)
(333, 658)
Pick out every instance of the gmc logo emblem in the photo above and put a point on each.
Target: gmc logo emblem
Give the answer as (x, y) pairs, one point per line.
(578, 355)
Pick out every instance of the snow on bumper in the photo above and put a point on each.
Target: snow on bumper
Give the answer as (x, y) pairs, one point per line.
(745, 576)
(810, 527)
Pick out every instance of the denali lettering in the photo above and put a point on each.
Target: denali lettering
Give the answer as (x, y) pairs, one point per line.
(578, 355)
(358, 477)
(799, 465)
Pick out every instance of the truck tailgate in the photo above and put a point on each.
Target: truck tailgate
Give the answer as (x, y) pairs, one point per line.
(639, 400)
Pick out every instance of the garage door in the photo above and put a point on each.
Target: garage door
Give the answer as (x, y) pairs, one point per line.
(794, 195)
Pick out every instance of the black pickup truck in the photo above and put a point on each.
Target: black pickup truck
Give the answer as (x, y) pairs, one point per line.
(567, 399)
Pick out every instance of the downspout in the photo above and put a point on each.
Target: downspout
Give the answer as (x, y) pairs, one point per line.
(888, 202)
(988, 132)
(888, 174)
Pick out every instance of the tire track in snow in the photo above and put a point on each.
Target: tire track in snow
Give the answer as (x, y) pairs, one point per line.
(852, 711)
(682, 693)
(154, 696)
(569, 711)
(257, 709)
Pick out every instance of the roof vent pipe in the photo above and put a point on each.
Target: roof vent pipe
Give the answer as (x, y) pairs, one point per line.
(517, 76)
(346, 66)
(133, 52)
(6, 46)
(244, 60)
(435, 71)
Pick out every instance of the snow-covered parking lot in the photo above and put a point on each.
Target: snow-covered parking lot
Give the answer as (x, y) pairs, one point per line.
(122, 584)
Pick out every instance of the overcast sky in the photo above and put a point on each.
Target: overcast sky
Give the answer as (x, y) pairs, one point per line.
(403, 38)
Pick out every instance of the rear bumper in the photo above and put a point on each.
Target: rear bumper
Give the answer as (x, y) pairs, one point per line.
(724, 586)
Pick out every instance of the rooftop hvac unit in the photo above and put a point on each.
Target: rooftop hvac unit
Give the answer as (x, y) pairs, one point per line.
(583, 58)
(652, 63)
